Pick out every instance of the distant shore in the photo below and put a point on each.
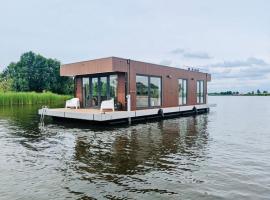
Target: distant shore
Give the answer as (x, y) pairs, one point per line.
(220, 94)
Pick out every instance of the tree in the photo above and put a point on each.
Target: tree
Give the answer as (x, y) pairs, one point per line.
(34, 72)
(5, 84)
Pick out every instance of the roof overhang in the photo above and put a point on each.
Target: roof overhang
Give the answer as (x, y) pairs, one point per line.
(103, 65)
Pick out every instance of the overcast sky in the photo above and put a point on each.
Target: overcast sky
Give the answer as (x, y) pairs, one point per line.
(229, 39)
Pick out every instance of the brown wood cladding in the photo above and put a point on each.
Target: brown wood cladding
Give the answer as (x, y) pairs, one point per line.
(87, 67)
(121, 95)
(78, 90)
(169, 77)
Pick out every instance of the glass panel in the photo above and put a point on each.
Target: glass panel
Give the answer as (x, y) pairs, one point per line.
(198, 91)
(142, 91)
(113, 87)
(155, 91)
(202, 92)
(180, 92)
(94, 100)
(86, 92)
(103, 88)
(184, 90)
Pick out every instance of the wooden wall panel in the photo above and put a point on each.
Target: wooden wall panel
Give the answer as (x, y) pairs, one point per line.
(78, 90)
(170, 78)
(87, 67)
(121, 95)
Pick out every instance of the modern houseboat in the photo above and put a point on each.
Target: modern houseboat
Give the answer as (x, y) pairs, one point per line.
(137, 90)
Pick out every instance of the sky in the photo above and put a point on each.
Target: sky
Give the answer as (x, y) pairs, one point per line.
(229, 39)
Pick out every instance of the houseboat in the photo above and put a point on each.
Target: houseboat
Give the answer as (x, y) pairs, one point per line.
(117, 89)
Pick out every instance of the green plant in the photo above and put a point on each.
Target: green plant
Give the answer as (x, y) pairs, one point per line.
(26, 98)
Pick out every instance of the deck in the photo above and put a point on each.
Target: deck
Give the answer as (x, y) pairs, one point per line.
(96, 115)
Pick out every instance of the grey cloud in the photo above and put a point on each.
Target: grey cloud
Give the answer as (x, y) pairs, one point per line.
(199, 55)
(178, 51)
(256, 61)
(166, 62)
(190, 54)
(251, 73)
(249, 69)
(240, 63)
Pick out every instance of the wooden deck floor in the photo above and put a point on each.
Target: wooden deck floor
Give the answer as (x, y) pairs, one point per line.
(96, 115)
(83, 110)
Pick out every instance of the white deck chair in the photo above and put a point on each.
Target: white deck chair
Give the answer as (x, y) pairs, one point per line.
(73, 103)
(108, 104)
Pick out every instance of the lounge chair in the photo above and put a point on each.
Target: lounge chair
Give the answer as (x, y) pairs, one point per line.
(108, 104)
(73, 103)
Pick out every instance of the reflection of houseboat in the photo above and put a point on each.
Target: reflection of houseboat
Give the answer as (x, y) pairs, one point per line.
(139, 89)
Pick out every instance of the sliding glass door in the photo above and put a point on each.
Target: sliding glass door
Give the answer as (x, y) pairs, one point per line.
(99, 88)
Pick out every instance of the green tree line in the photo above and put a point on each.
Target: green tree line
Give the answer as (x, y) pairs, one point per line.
(232, 93)
(33, 72)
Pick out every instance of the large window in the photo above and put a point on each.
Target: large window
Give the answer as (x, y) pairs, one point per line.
(200, 92)
(182, 91)
(148, 91)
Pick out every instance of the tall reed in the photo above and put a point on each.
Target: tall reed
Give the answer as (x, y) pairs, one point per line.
(24, 98)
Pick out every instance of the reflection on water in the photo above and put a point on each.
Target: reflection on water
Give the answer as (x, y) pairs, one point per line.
(142, 148)
(169, 159)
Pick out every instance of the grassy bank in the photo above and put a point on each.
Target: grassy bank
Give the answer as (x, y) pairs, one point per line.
(27, 98)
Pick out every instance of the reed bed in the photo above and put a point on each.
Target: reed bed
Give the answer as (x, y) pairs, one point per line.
(28, 98)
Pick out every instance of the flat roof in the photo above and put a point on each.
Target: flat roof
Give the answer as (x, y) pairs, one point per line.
(111, 64)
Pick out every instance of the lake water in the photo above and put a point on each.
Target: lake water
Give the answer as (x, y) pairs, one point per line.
(221, 155)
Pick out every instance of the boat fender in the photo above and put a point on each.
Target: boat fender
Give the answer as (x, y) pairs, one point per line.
(161, 113)
(195, 110)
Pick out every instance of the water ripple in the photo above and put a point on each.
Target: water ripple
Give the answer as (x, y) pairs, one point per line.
(211, 156)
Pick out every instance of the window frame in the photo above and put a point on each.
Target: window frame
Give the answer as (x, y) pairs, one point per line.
(182, 96)
(149, 91)
(84, 91)
(98, 76)
(200, 95)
